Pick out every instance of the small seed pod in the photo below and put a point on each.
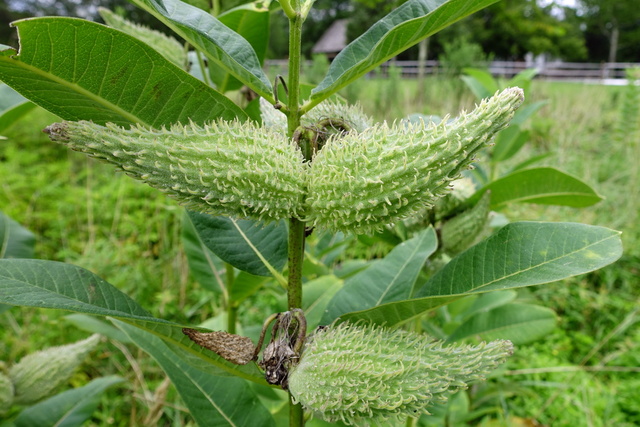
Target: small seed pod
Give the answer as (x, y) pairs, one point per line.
(363, 180)
(364, 374)
(37, 375)
(225, 168)
(461, 231)
(6, 393)
(351, 115)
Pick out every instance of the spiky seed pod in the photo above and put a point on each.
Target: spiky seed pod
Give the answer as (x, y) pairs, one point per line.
(226, 168)
(361, 181)
(37, 375)
(6, 393)
(363, 374)
(461, 231)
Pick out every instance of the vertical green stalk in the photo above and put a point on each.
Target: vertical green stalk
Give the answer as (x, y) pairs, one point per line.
(296, 227)
(232, 308)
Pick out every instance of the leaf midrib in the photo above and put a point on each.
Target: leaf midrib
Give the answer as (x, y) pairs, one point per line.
(78, 89)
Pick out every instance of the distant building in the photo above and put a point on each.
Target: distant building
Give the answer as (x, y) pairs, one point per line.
(333, 40)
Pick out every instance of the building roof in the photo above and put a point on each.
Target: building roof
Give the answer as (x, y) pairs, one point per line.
(334, 39)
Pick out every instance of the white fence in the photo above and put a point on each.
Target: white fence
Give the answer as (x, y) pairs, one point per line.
(573, 71)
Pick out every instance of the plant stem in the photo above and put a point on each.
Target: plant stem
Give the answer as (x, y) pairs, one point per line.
(232, 309)
(296, 227)
(295, 40)
(296, 257)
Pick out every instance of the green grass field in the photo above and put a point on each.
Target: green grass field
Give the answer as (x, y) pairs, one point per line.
(584, 373)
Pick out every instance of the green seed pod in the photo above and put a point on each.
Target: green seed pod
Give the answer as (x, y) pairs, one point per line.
(363, 374)
(6, 393)
(351, 115)
(363, 180)
(461, 231)
(226, 168)
(37, 375)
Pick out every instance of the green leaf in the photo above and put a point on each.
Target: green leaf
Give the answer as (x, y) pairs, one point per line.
(481, 82)
(251, 21)
(127, 82)
(204, 265)
(489, 301)
(13, 114)
(523, 80)
(48, 284)
(546, 186)
(68, 409)
(212, 400)
(97, 326)
(12, 106)
(245, 285)
(223, 46)
(508, 143)
(519, 323)
(247, 245)
(520, 254)
(8, 97)
(532, 161)
(391, 279)
(15, 240)
(393, 34)
(316, 295)
(526, 111)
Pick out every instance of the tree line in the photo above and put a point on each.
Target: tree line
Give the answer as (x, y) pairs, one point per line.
(593, 31)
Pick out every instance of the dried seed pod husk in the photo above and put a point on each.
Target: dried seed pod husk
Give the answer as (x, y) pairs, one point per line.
(37, 375)
(365, 374)
(224, 168)
(234, 348)
(362, 181)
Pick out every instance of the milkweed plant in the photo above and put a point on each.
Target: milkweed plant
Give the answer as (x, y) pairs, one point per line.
(261, 176)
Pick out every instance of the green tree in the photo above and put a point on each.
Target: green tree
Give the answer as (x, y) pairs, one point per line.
(511, 28)
(612, 29)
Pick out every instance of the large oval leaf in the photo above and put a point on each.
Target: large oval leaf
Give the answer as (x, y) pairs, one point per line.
(396, 32)
(247, 245)
(80, 70)
(48, 284)
(212, 400)
(222, 45)
(391, 279)
(546, 186)
(519, 323)
(520, 254)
